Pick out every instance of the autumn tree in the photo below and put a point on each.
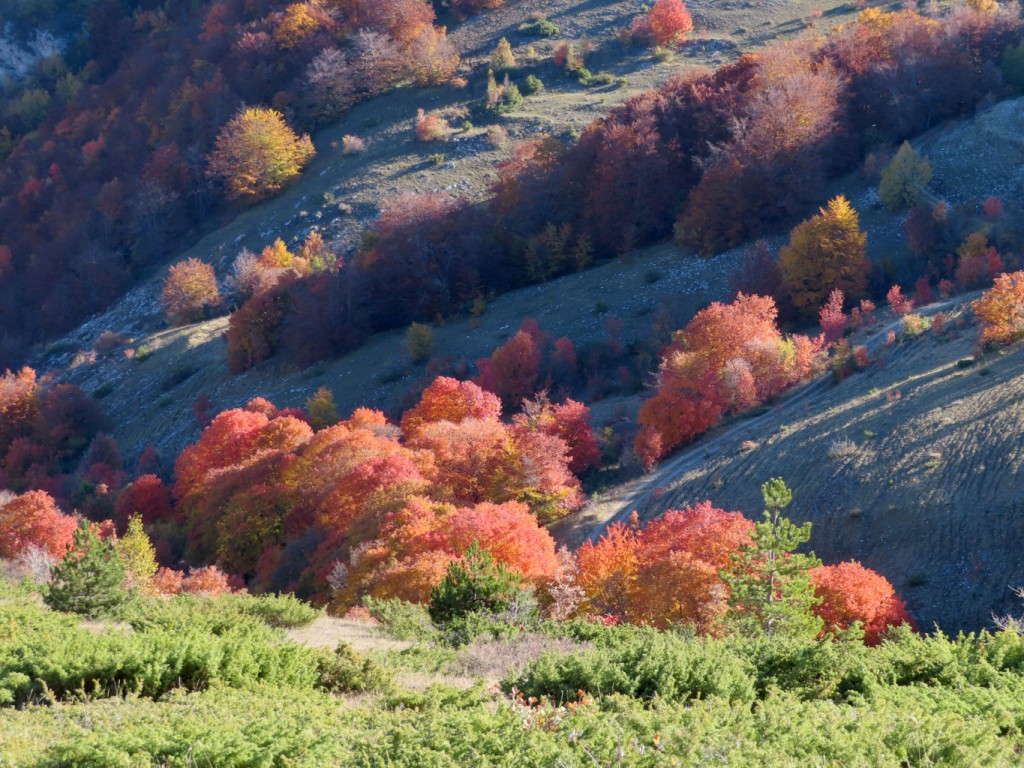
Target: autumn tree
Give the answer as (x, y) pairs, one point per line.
(665, 23)
(448, 399)
(851, 593)
(512, 372)
(666, 573)
(321, 409)
(190, 291)
(257, 153)
(502, 58)
(419, 342)
(977, 262)
(34, 520)
(137, 556)
(826, 252)
(904, 179)
(1000, 310)
(833, 318)
(19, 402)
(772, 591)
(146, 497)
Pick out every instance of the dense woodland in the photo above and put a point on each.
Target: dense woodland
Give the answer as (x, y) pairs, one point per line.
(704, 632)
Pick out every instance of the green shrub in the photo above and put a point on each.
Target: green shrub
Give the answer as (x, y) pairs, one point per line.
(532, 85)
(649, 664)
(402, 620)
(52, 659)
(539, 28)
(419, 342)
(346, 671)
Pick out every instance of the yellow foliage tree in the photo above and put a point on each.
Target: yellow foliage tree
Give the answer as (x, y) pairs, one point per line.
(138, 557)
(904, 178)
(824, 253)
(257, 154)
(189, 290)
(1000, 310)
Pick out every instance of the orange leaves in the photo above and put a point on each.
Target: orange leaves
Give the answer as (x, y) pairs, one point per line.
(665, 23)
(850, 592)
(731, 357)
(1000, 310)
(390, 507)
(667, 572)
(33, 520)
(448, 399)
(257, 154)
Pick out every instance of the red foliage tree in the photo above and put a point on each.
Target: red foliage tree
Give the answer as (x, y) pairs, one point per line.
(897, 302)
(34, 520)
(667, 572)
(512, 372)
(833, 319)
(665, 23)
(448, 399)
(147, 497)
(850, 593)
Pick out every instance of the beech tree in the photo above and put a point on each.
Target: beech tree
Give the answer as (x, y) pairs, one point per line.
(904, 178)
(34, 520)
(665, 23)
(851, 593)
(825, 253)
(190, 290)
(1000, 310)
(257, 154)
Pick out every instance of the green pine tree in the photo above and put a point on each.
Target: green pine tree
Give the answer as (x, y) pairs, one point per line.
(474, 584)
(89, 579)
(772, 591)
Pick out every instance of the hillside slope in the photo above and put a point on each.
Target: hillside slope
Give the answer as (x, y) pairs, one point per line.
(912, 467)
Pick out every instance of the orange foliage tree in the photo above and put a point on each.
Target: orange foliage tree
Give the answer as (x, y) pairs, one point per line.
(34, 520)
(665, 23)
(257, 154)
(826, 252)
(730, 357)
(667, 572)
(850, 593)
(1000, 310)
(190, 289)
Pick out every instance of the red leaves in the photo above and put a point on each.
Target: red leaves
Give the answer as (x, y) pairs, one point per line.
(665, 23)
(666, 572)
(33, 520)
(833, 319)
(448, 399)
(850, 592)
(730, 357)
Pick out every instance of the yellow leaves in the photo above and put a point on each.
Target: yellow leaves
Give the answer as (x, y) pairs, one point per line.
(257, 154)
(827, 251)
(1000, 310)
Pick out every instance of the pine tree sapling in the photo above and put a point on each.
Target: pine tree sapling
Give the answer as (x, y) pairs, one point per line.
(89, 579)
(772, 591)
(474, 584)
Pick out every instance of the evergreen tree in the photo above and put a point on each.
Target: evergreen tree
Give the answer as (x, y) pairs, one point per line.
(474, 584)
(88, 580)
(772, 591)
